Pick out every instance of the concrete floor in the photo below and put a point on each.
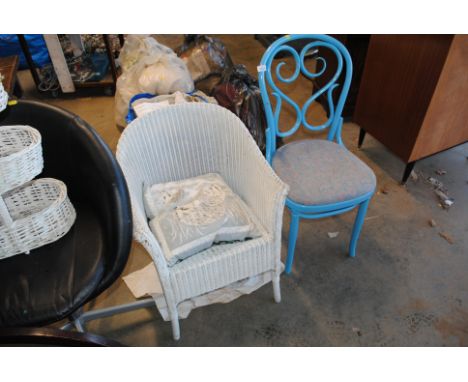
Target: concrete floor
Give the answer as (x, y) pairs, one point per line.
(406, 287)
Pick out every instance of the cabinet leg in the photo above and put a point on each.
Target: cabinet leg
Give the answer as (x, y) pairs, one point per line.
(362, 134)
(409, 167)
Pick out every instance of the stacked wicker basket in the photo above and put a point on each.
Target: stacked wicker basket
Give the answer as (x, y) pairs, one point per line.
(3, 95)
(33, 213)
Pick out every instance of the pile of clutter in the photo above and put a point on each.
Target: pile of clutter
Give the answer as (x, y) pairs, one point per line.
(91, 43)
(200, 70)
(442, 193)
(87, 60)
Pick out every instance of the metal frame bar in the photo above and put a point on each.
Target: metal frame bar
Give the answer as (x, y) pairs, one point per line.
(29, 59)
(80, 319)
(110, 56)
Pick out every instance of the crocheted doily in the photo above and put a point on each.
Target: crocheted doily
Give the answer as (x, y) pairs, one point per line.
(206, 209)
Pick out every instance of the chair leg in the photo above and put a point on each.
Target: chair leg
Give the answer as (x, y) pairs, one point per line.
(293, 230)
(174, 321)
(175, 328)
(357, 227)
(275, 279)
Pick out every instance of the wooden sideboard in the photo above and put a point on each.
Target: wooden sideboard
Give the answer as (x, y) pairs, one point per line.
(413, 95)
(9, 69)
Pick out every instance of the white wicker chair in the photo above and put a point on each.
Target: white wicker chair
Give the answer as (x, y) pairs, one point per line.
(187, 140)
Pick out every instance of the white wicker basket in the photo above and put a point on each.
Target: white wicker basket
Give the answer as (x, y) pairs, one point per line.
(3, 96)
(20, 156)
(40, 214)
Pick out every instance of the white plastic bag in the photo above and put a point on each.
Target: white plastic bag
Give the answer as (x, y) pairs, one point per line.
(127, 87)
(188, 216)
(148, 67)
(165, 75)
(136, 47)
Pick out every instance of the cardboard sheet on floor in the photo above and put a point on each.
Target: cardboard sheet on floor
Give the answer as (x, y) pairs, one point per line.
(145, 282)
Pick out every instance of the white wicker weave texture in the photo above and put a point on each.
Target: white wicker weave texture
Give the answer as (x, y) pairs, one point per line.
(20, 156)
(32, 213)
(41, 213)
(3, 95)
(188, 140)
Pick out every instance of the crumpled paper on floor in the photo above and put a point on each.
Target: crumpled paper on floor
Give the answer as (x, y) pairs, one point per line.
(145, 282)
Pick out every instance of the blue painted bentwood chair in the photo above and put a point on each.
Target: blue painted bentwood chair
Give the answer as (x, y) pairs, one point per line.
(325, 178)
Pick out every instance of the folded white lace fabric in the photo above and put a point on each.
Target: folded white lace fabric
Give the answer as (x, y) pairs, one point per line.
(191, 215)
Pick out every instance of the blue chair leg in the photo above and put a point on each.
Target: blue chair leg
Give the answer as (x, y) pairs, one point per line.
(357, 227)
(293, 230)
